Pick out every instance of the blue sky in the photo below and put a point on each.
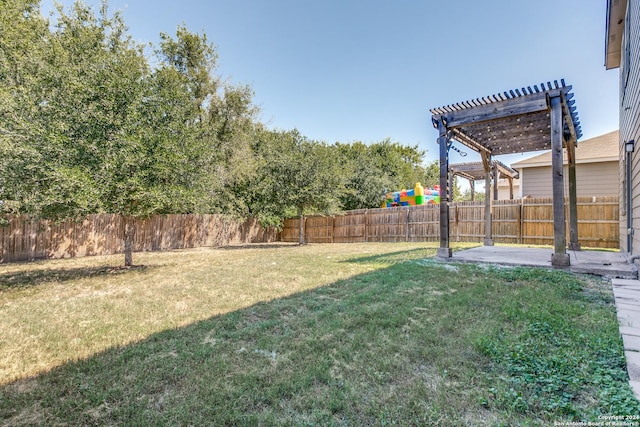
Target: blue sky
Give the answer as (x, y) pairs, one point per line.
(366, 70)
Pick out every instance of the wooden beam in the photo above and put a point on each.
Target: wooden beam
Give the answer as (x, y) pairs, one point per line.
(510, 178)
(463, 174)
(476, 171)
(464, 139)
(568, 118)
(486, 162)
(505, 171)
(497, 110)
(494, 175)
(559, 257)
(472, 185)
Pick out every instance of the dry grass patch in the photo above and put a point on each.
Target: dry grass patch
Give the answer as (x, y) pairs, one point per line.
(60, 310)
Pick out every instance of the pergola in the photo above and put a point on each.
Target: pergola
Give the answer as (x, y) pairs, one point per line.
(518, 121)
(474, 171)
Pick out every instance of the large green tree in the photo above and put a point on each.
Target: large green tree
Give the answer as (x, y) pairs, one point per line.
(88, 126)
(22, 34)
(375, 169)
(294, 176)
(365, 182)
(216, 120)
(73, 97)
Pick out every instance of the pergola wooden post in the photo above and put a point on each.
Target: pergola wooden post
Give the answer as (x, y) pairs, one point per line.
(559, 257)
(574, 245)
(488, 220)
(515, 122)
(444, 251)
(494, 177)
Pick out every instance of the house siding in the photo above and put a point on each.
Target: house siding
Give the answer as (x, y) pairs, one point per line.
(504, 192)
(592, 179)
(536, 182)
(630, 122)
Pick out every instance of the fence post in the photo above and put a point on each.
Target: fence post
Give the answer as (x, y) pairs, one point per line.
(333, 225)
(366, 220)
(456, 221)
(406, 232)
(519, 223)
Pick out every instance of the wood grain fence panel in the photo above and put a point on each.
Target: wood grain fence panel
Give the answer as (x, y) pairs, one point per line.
(81, 236)
(170, 240)
(318, 229)
(25, 239)
(62, 235)
(505, 221)
(350, 227)
(537, 221)
(424, 223)
(525, 221)
(15, 240)
(469, 218)
(387, 225)
(598, 222)
(290, 230)
(4, 242)
(111, 231)
(209, 225)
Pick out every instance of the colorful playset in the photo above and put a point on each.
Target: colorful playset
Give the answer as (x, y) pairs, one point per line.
(417, 196)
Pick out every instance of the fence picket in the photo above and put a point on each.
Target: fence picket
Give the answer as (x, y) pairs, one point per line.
(524, 221)
(26, 239)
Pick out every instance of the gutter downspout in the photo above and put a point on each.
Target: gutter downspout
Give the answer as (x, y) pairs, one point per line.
(629, 146)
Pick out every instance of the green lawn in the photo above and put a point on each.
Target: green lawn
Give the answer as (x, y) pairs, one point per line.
(353, 334)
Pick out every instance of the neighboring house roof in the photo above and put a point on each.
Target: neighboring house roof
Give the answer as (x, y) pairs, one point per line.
(603, 148)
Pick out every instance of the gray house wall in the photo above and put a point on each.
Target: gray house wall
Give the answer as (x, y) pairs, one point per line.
(593, 179)
(630, 123)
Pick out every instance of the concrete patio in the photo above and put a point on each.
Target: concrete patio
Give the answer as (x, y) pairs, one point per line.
(627, 295)
(601, 263)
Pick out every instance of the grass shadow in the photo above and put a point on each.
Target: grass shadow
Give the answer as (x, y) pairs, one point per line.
(31, 278)
(257, 246)
(392, 346)
(429, 251)
(394, 257)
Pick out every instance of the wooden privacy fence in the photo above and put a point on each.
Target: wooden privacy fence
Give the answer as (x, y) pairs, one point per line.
(524, 221)
(25, 239)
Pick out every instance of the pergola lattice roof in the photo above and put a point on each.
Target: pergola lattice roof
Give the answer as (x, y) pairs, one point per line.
(510, 122)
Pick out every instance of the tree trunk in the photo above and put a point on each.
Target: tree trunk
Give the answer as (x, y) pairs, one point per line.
(301, 230)
(129, 232)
